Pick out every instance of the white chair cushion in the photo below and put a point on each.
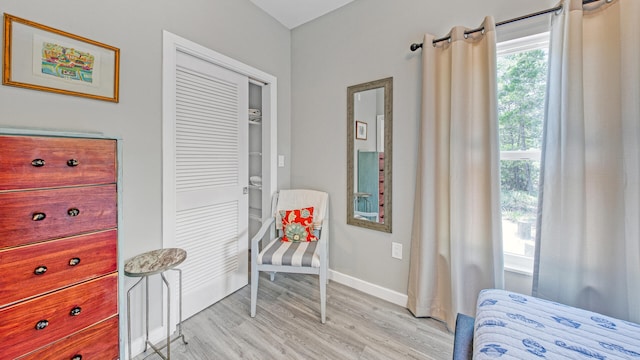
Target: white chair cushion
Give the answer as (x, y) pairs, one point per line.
(301, 253)
(298, 199)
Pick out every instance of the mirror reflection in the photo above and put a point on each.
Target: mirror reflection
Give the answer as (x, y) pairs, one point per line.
(369, 163)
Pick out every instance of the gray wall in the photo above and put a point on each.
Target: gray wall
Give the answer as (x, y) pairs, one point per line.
(314, 64)
(236, 28)
(363, 41)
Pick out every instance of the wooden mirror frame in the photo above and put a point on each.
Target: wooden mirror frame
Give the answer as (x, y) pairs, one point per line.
(387, 84)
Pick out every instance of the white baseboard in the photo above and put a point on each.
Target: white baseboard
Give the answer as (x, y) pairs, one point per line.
(391, 296)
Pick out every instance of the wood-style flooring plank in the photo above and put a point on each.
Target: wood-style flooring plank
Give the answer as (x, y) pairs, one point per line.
(287, 326)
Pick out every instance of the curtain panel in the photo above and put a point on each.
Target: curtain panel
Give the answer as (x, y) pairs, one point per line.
(456, 246)
(588, 243)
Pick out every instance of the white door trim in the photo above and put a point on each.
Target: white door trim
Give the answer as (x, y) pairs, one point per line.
(171, 45)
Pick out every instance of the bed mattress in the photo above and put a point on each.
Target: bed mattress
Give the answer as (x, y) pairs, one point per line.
(514, 326)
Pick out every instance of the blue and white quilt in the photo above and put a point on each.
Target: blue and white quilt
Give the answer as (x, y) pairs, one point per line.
(513, 326)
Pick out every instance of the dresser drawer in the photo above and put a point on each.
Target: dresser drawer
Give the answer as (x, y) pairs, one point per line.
(35, 162)
(99, 342)
(39, 268)
(34, 323)
(30, 216)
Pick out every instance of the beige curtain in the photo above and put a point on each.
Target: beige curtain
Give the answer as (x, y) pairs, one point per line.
(588, 246)
(456, 245)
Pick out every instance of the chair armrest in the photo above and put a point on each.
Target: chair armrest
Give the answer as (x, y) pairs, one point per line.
(266, 224)
(324, 230)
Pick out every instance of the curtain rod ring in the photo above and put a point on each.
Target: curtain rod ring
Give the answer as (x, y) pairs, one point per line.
(559, 11)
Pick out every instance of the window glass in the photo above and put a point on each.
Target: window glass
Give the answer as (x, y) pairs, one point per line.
(522, 76)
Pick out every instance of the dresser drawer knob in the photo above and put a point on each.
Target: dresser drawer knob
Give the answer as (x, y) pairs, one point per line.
(74, 261)
(72, 162)
(75, 311)
(40, 270)
(37, 162)
(73, 212)
(42, 324)
(38, 216)
(77, 357)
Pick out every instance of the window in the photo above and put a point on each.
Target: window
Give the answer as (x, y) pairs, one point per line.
(522, 80)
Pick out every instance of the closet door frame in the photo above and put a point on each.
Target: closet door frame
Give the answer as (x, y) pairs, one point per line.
(171, 45)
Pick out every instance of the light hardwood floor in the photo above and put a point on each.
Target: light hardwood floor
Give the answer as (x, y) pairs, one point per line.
(287, 326)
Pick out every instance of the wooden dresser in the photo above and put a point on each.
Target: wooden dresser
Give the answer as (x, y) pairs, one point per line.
(58, 248)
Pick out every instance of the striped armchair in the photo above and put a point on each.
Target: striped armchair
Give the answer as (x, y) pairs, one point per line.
(292, 257)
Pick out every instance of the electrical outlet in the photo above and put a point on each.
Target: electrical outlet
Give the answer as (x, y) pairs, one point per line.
(280, 160)
(396, 250)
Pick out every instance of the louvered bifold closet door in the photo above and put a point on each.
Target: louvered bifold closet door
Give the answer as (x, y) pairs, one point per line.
(211, 174)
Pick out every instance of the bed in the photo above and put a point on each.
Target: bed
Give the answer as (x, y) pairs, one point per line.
(509, 325)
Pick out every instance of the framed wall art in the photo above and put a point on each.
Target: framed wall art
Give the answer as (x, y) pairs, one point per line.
(43, 58)
(361, 130)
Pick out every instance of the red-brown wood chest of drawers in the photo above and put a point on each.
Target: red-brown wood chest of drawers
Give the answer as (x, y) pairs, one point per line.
(58, 248)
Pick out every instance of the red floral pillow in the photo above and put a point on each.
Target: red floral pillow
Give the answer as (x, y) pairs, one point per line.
(297, 225)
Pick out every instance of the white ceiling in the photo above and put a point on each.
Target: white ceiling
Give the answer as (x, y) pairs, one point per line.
(292, 13)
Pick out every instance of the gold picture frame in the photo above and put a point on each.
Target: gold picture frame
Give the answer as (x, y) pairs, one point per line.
(42, 58)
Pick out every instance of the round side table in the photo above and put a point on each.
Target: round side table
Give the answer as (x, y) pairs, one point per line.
(143, 266)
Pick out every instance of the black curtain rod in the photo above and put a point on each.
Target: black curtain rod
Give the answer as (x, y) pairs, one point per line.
(416, 46)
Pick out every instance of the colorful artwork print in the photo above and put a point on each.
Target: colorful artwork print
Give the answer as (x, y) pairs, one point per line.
(67, 63)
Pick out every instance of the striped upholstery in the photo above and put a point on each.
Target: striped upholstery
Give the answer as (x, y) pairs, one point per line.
(290, 254)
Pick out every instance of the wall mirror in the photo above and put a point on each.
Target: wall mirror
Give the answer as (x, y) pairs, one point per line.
(369, 144)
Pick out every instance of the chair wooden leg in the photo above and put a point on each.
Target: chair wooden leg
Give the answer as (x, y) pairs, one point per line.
(254, 288)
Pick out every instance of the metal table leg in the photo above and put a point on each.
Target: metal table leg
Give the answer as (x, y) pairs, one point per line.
(158, 350)
(129, 315)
